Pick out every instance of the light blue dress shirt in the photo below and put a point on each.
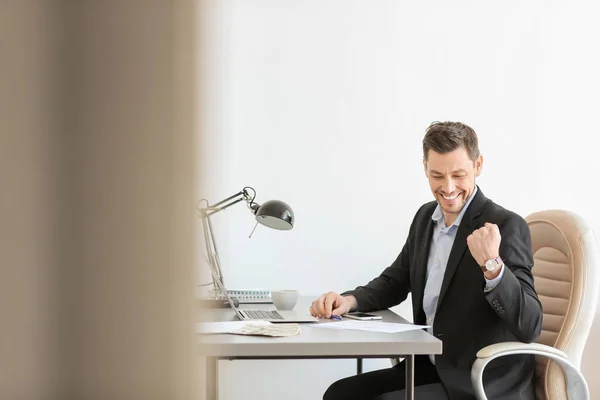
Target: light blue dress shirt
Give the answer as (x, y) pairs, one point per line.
(439, 252)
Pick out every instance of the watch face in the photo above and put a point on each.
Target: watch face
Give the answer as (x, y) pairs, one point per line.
(492, 265)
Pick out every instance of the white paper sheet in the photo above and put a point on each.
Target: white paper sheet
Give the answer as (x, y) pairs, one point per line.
(370, 326)
(252, 328)
(225, 327)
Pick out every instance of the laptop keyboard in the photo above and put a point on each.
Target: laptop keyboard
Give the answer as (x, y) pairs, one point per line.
(261, 314)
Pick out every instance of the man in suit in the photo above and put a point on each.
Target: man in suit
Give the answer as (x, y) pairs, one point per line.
(467, 262)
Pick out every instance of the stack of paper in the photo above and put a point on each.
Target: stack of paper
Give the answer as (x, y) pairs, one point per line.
(370, 326)
(262, 328)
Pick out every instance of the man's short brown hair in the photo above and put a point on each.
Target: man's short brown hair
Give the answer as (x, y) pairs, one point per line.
(444, 137)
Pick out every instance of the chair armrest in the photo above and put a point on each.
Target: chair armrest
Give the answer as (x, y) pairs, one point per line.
(497, 349)
(577, 387)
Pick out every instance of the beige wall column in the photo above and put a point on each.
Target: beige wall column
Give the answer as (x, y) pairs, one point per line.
(98, 200)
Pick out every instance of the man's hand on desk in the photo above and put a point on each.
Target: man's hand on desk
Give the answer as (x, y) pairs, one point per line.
(332, 303)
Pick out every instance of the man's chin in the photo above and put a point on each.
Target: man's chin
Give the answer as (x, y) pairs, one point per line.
(456, 204)
(450, 211)
(455, 209)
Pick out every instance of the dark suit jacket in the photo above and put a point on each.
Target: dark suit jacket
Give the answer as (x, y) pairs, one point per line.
(467, 318)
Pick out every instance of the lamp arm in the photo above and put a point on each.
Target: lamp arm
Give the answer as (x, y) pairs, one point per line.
(228, 202)
(212, 255)
(211, 247)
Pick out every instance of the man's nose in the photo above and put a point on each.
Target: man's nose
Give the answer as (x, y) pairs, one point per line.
(448, 186)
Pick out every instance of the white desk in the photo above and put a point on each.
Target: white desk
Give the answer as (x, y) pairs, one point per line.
(313, 343)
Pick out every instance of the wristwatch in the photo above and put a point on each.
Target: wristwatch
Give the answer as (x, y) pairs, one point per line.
(493, 264)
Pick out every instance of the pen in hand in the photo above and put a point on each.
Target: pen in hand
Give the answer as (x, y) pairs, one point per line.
(336, 317)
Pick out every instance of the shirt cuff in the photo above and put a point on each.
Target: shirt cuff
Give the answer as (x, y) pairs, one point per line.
(491, 284)
(355, 301)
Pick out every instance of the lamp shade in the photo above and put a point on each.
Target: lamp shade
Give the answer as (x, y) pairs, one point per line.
(275, 214)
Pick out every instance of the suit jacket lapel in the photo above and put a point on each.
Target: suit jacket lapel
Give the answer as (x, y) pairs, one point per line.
(468, 224)
(421, 264)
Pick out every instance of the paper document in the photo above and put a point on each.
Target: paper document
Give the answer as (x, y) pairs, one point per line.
(225, 327)
(371, 326)
(262, 328)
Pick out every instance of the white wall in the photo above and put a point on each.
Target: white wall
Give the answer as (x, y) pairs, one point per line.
(324, 105)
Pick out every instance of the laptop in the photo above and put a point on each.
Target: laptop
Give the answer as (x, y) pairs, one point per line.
(265, 315)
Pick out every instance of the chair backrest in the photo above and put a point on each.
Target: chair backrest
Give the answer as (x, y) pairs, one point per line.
(566, 264)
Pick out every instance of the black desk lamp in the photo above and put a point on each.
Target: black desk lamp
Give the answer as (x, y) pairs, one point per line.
(274, 213)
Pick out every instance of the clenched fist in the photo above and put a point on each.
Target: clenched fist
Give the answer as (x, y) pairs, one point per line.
(484, 243)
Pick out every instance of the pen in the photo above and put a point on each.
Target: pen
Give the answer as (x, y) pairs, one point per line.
(336, 317)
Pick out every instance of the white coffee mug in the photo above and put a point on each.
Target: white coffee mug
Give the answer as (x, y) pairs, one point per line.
(284, 299)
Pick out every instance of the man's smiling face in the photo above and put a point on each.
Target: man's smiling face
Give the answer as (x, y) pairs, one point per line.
(452, 179)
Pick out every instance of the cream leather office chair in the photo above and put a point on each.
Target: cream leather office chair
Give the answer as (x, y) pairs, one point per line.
(567, 277)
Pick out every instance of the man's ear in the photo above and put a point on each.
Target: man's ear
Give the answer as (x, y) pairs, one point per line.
(425, 167)
(478, 165)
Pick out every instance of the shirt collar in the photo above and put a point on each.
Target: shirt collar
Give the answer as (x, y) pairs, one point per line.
(438, 216)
